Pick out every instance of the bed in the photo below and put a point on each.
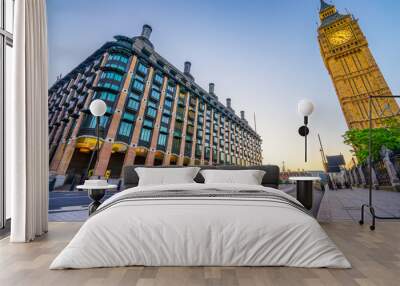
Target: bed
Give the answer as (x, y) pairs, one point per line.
(198, 224)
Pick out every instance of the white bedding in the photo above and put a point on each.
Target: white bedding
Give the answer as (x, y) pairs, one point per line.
(200, 231)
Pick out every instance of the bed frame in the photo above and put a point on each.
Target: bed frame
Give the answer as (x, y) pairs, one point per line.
(270, 179)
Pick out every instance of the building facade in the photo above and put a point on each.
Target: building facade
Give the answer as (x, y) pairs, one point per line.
(156, 115)
(353, 70)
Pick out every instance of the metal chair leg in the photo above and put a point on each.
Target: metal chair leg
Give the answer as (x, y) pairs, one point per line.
(361, 222)
(372, 210)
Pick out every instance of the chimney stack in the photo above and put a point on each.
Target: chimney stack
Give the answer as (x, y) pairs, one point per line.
(146, 31)
(228, 103)
(211, 88)
(187, 67)
(242, 115)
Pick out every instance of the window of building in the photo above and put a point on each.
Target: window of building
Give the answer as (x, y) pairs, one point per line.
(158, 78)
(180, 114)
(103, 122)
(113, 57)
(152, 104)
(139, 78)
(163, 129)
(176, 145)
(182, 99)
(156, 87)
(138, 85)
(109, 85)
(178, 125)
(145, 135)
(142, 69)
(134, 96)
(125, 129)
(152, 112)
(170, 89)
(133, 104)
(188, 149)
(165, 119)
(191, 115)
(162, 139)
(148, 123)
(155, 94)
(190, 129)
(111, 76)
(116, 66)
(168, 104)
(128, 117)
(198, 151)
(109, 109)
(117, 57)
(106, 96)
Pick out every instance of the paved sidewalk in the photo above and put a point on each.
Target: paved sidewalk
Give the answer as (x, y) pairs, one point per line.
(345, 204)
(288, 188)
(69, 215)
(340, 205)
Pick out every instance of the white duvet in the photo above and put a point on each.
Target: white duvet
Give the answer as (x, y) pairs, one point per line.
(200, 231)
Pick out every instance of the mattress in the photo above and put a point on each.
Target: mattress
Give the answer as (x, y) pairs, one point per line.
(201, 225)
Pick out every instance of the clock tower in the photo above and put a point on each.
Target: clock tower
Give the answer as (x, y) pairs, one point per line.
(353, 70)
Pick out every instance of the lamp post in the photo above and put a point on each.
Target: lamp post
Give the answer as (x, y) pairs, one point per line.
(370, 203)
(96, 188)
(97, 108)
(305, 108)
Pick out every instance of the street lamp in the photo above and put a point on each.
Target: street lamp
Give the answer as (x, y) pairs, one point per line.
(305, 108)
(96, 188)
(369, 205)
(98, 108)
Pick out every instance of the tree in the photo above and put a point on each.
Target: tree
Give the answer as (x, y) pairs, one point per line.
(388, 136)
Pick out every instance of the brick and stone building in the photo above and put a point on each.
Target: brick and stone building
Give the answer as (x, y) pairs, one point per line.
(353, 69)
(156, 115)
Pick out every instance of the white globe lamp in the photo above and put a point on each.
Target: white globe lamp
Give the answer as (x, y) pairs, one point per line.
(98, 107)
(305, 107)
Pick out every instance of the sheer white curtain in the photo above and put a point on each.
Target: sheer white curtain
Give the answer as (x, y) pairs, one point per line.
(26, 121)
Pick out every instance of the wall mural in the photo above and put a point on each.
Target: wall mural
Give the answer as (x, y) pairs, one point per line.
(156, 115)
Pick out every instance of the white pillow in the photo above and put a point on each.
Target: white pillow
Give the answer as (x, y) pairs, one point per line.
(166, 176)
(248, 177)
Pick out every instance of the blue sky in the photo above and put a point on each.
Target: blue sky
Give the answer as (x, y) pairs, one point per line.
(262, 54)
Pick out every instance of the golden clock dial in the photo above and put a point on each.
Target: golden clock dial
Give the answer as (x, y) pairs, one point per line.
(340, 37)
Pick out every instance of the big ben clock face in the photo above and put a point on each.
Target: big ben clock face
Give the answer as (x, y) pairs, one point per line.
(340, 37)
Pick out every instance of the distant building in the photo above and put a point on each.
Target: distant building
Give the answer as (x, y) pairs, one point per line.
(156, 115)
(352, 67)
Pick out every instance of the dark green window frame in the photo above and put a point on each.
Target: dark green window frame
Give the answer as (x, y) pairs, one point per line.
(142, 69)
(155, 94)
(145, 135)
(162, 139)
(158, 78)
(138, 85)
(125, 129)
